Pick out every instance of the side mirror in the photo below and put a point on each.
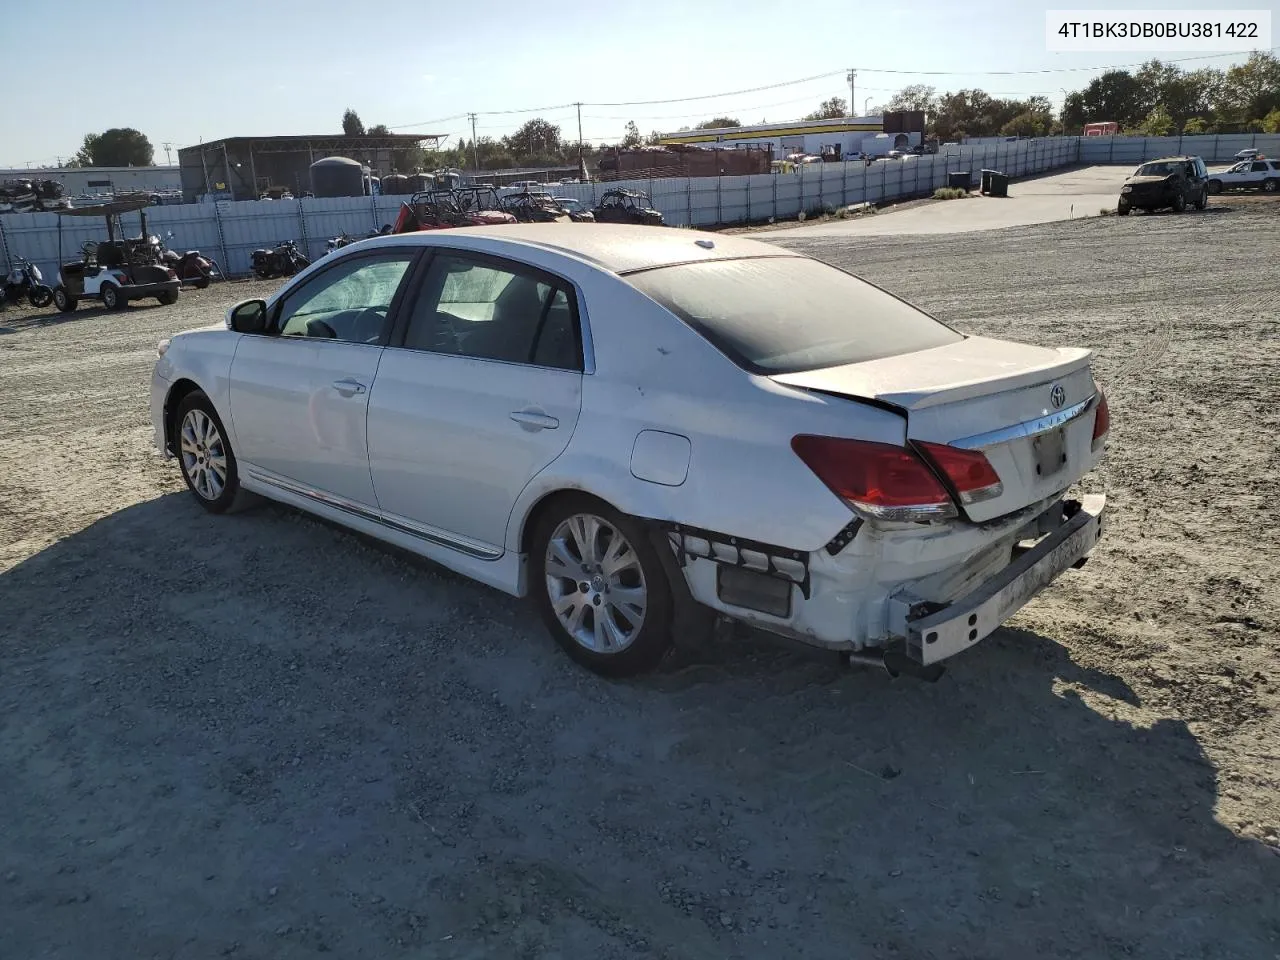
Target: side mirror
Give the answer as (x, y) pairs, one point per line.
(249, 316)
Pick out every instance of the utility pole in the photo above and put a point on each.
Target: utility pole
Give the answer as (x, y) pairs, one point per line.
(579, 106)
(167, 158)
(475, 150)
(852, 77)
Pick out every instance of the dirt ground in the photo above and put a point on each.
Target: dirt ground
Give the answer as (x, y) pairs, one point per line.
(260, 737)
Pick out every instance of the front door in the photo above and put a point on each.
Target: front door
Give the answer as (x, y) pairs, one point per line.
(478, 393)
(300, 392)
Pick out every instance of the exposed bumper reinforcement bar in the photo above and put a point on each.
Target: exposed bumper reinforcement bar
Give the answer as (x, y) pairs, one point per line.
(960, 624)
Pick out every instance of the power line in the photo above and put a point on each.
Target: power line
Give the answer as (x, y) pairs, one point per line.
(1023, 73)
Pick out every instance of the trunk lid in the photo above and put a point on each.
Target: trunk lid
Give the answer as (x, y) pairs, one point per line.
(989, 395)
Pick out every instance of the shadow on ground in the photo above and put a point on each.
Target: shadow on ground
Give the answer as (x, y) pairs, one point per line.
(255, 736)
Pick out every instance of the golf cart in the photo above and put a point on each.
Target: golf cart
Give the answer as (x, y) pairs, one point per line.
(118, 269)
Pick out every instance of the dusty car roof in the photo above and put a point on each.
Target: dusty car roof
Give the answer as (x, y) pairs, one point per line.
(621, 248)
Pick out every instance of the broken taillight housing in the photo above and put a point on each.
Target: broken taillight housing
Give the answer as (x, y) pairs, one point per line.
(969, 471)
(1101, 420)
(879, 479)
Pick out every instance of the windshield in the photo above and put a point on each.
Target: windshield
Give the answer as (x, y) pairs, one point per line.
(1158, 169)
(784, 314)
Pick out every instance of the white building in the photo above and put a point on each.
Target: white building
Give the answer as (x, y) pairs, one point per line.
(845, 136)
(92, 180)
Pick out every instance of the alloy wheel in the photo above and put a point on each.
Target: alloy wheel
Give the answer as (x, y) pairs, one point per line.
(204, 456)
(596, 584)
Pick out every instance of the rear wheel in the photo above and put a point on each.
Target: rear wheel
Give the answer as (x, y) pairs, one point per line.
(40, 296)
(63, 300)
(111, 298)
(168, 298)
(1270, 186)
(600, 587)
(1179, 203)
(1202, 200)
(201, 283)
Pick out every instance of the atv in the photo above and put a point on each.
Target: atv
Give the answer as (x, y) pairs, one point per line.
(627, 206)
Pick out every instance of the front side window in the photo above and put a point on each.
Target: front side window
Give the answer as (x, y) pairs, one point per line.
(784, 314)
(1259, 167)
(493, 311)
(349, 302)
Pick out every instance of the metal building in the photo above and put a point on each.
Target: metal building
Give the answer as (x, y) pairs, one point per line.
(836, 138)
(244, 168)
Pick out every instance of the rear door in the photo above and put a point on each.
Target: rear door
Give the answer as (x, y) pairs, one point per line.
(478, 392)
(299, 393)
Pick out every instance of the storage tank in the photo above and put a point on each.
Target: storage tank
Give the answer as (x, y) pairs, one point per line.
(337, 177)
(418, 182)
(395, 185)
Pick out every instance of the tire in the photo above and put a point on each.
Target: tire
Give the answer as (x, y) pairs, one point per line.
(1202, 201)
(1270, 185)
(576, 536)
(1122, 209)
(207, 462)
(262, 270)
(201, 283)
(1179, 203)
(40, 296)
(1215, 186)
(168, 298)
(64, 301)
(111, 298)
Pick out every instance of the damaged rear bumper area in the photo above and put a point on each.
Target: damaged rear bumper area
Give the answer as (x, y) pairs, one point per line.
(923, 594)
(934, 632)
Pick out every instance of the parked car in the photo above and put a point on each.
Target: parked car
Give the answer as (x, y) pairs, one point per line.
(576, 209)
(627, 206)
(1247, 154)
(638, 428)
(1258, 174)
(1170, 182)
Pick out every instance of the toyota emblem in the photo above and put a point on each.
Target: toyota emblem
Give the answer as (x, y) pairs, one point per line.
(1057, 396)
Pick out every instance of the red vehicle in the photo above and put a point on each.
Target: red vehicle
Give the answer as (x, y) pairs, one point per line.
(439, 210)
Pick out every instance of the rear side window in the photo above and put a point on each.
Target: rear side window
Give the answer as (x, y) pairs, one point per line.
(784, 314)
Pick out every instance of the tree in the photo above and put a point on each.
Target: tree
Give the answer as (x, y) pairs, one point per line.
(1115, 95)
(351, 125)
(1195, 126)
(918, 96)
(717, 122)
(1157, 123)
(1073, 114)
(1251, 90)
(378, 130)
(653, 139)
(829, 110)
(1271, 122)
(632, 138)
(535, 137)
(117, 147)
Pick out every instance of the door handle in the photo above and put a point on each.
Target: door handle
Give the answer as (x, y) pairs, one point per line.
(348, 387)
(534, 420)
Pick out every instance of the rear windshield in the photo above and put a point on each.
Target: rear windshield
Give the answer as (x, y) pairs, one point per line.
(785, 314)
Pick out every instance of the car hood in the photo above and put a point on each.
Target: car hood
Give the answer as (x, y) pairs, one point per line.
(1155, 179)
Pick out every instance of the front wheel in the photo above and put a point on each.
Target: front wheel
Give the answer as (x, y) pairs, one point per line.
(201, 283)
(262, 270)
(40, 296)
(1122, 209)
(1202, 200)
(205, 456)
(111, 298)
(1179, 203)
(63, 300)
(600, 587)
(1270, 186)
(168, 298)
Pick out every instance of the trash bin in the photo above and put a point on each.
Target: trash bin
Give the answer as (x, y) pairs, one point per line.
(960, 178)
(999, 184)
(986, 180)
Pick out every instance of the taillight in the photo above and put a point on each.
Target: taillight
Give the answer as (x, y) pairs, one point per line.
(969, 471)
(1101, 420)
(879, 479)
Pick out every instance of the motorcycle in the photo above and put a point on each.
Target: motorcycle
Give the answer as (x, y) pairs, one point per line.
(25, 280)
(284, 261)
(191, 267)
(345, 239)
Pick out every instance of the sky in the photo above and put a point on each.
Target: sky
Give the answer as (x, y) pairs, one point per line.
(182, 72)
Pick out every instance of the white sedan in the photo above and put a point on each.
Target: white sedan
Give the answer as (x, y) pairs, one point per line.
(640, 428)
(1257, 174)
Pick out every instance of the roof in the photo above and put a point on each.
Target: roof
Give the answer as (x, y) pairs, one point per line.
(766, 130)
(617, 247)
(302, 140)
